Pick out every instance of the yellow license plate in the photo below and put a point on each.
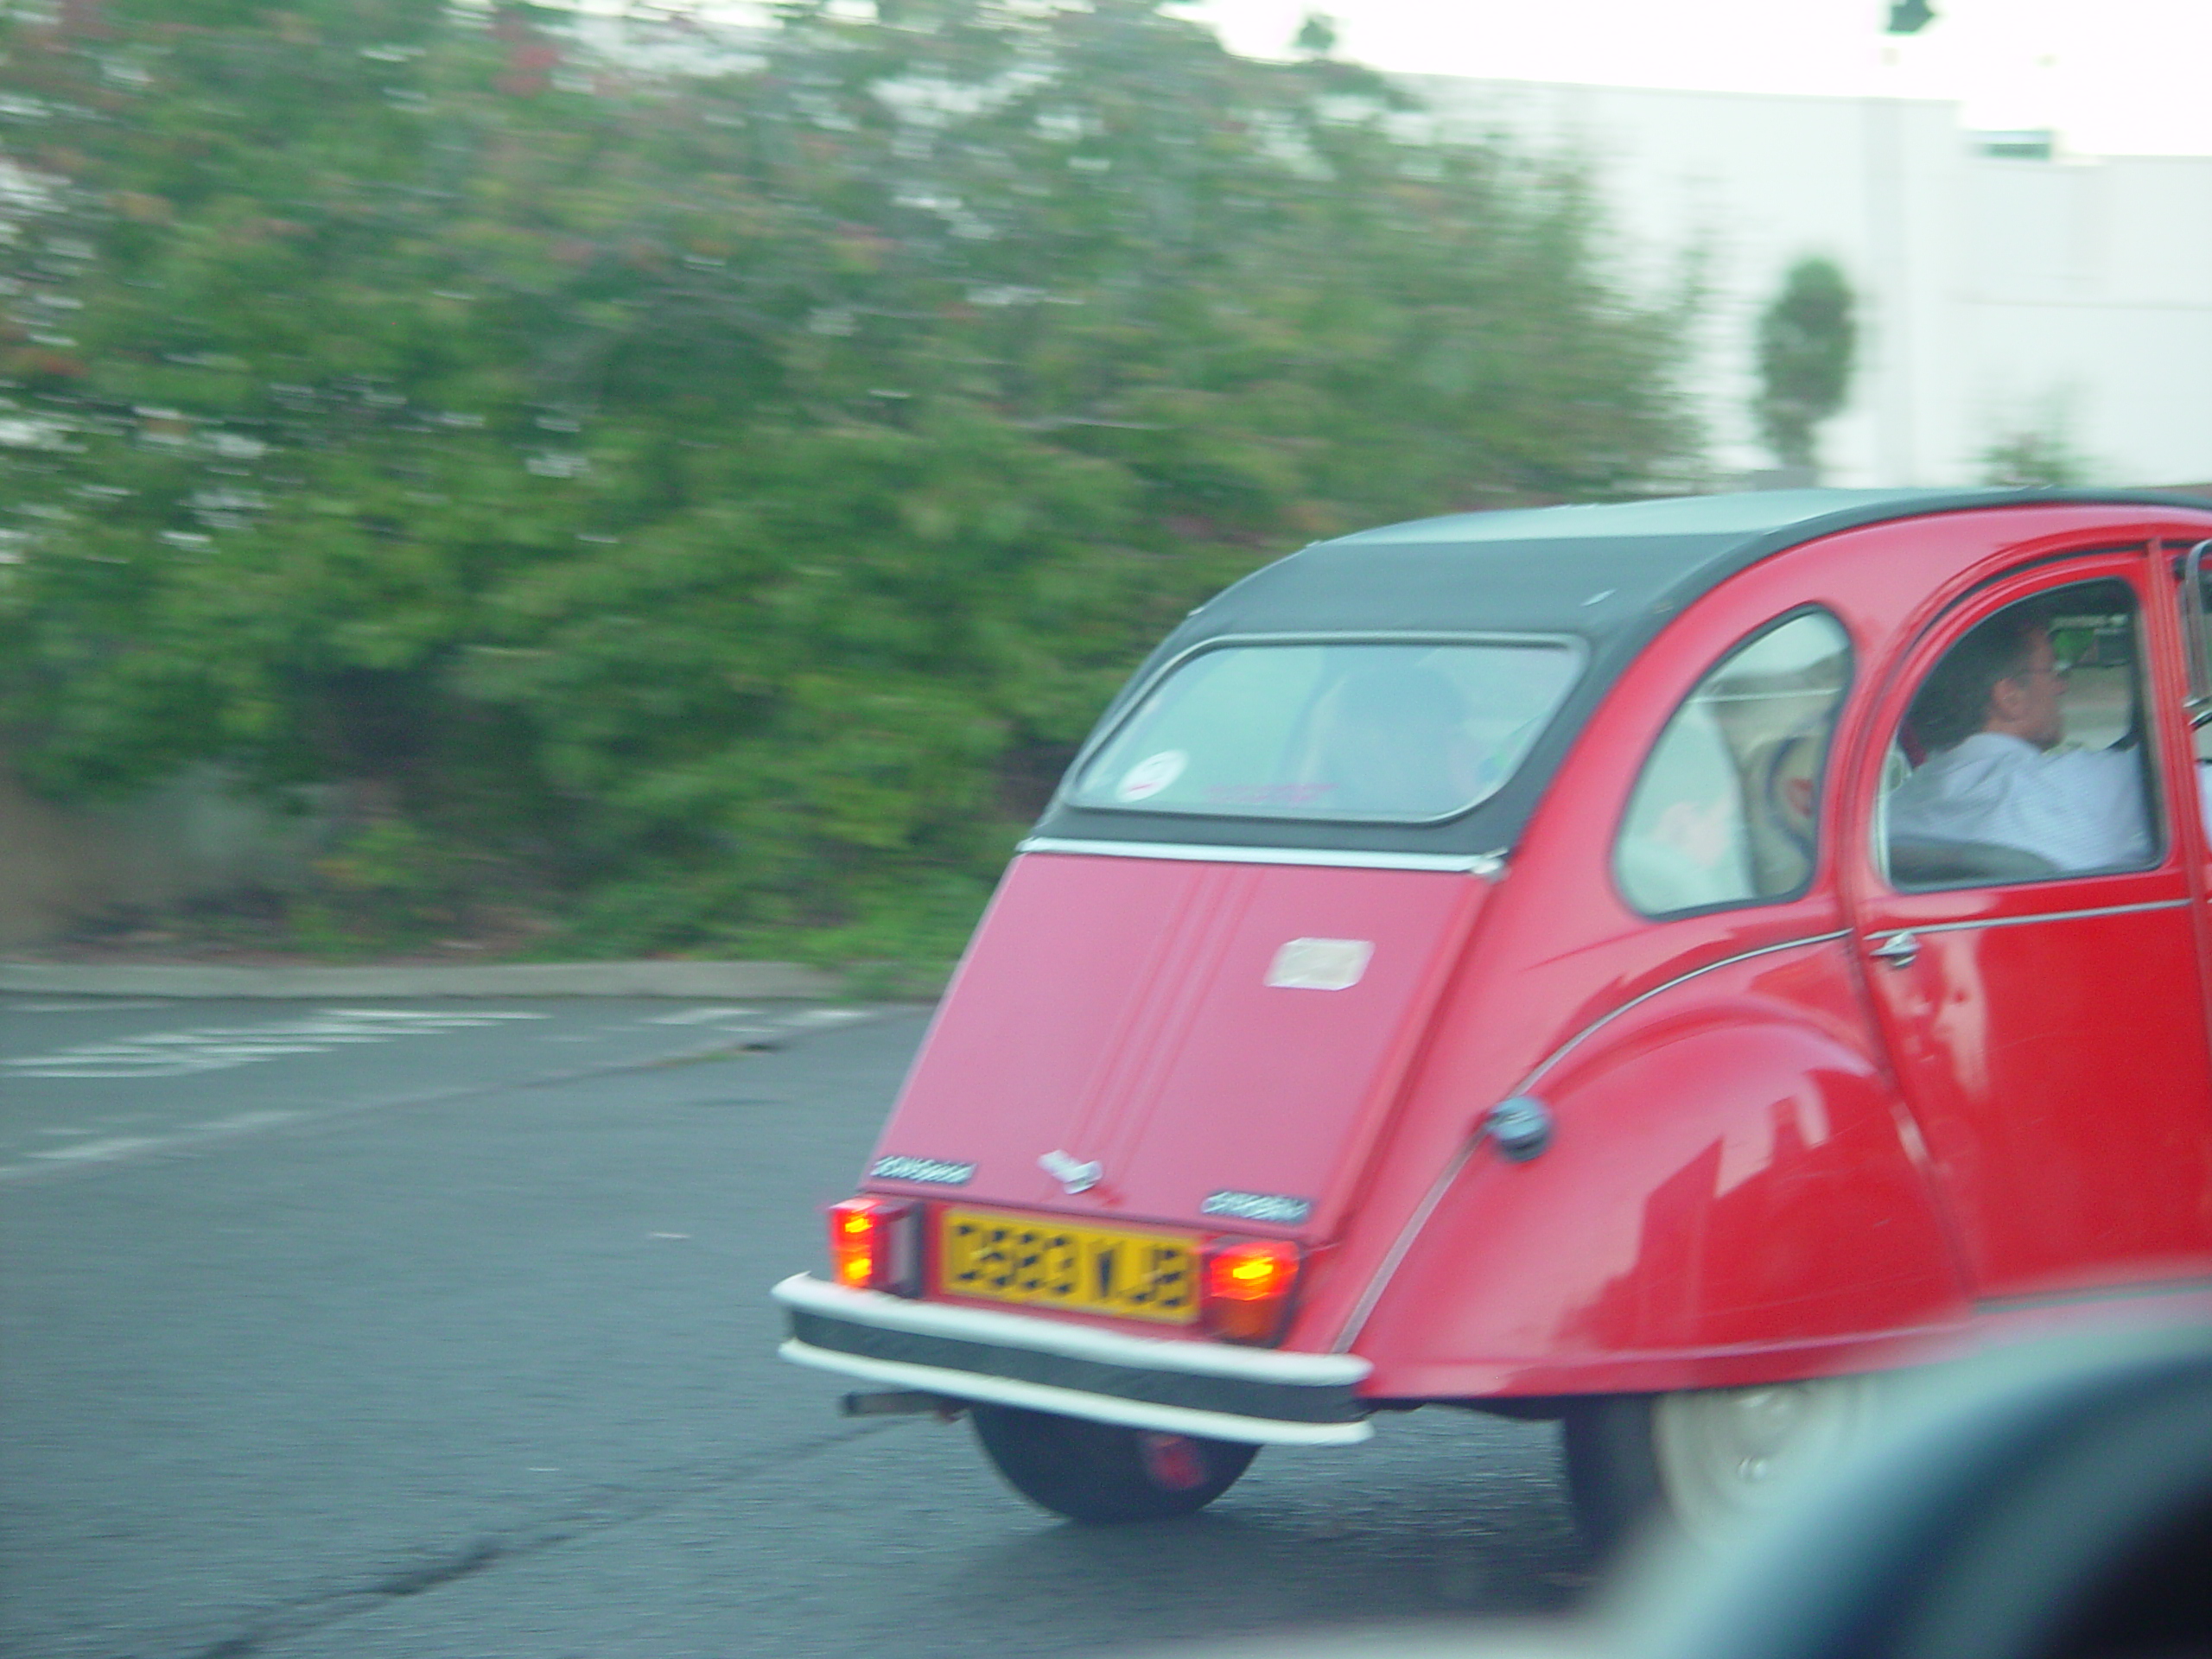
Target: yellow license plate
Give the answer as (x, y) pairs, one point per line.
(1045, 1263)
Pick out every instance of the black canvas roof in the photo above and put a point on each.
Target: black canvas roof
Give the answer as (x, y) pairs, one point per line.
(1609, 576)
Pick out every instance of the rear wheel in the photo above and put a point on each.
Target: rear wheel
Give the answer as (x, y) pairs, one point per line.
(1104, 1474)
(1707, 1460)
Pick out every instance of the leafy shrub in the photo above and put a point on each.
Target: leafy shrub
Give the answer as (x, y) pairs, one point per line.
(712, 495)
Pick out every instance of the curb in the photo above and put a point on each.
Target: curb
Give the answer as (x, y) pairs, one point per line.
(696, 980)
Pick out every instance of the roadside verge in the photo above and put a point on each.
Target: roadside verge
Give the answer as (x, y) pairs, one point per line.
(696, 980)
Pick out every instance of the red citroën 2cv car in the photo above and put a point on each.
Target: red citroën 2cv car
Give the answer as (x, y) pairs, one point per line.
(1653, 966)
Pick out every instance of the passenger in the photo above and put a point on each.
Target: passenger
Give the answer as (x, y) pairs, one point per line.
(1992, 716)
(1392, 741)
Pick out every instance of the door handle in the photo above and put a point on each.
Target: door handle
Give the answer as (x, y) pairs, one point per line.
(1898, 950)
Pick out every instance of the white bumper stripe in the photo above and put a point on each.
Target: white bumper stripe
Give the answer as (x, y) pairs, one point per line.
(1074, 1402)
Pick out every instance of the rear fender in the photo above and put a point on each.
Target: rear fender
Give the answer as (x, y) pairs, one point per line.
(1732, 1194)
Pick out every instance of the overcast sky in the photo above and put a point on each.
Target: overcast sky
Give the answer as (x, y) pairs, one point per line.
(2113, 76)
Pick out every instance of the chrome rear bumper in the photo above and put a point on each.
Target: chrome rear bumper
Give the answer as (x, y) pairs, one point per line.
(1255, 1394)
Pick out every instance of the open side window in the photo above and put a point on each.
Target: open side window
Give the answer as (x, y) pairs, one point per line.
(2023, 756)
(1726, 811)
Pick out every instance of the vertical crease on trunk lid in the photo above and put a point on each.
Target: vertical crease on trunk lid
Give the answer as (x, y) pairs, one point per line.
(1228, 896)
(1102, 1087)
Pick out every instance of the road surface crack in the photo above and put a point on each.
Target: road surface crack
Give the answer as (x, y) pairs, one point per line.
(605, 1511)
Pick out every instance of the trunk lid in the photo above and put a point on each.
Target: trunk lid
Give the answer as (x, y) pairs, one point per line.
(1196, 1029)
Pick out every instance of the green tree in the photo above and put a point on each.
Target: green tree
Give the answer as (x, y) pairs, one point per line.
(723, 501)
(1807, 340)
(2035, 457)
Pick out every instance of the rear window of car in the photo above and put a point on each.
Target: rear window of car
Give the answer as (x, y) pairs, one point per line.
(1405, 732)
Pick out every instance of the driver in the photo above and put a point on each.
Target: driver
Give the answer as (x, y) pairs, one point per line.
(1992, 715)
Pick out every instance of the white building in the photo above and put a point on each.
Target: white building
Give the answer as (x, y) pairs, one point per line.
(2004, 289)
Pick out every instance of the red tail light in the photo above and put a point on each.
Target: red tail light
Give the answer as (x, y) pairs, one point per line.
(876, 1244)
(1249, 1283)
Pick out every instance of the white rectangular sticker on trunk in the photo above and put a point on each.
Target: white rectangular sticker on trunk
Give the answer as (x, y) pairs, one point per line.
(1320, 964)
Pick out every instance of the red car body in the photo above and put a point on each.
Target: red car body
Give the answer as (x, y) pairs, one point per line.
(1774, 1154)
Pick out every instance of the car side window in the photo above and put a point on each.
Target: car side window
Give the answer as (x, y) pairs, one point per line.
(1724, 812)
(2022, 757)
(2200, 719)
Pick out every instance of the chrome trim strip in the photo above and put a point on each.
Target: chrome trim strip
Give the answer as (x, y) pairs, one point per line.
(1403, 1245)
(2040, 916)
(1075, 1402)
(1611, 1014)
(1484, 864)
(1570, 642)
(803, 1290)
(1357, 1321)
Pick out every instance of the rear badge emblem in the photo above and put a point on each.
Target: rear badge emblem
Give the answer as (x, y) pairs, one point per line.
(1257, 1206)
(1320, 964)
(1073, 1177)
(934, 1171)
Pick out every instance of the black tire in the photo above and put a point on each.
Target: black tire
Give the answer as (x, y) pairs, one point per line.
(1102, 1474)
(1612, 1472)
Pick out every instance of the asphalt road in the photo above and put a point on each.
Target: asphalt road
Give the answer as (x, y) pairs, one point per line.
(437, 1329)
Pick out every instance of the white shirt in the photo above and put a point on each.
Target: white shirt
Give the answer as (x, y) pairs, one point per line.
(2081, 809)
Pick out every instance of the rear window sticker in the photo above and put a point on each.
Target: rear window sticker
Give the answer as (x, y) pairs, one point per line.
(1151, 775)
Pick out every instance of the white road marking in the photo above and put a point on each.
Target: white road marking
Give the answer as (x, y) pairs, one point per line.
(95, 1005)
(212, 1048)
(701, 1016)
(241, 1121)
(161, 1054)
(113, 1147)
(90, 1069)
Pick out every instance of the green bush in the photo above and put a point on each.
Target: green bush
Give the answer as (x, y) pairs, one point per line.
(387, 886)
(710, 498)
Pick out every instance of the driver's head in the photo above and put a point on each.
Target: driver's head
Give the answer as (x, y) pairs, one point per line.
(2001, 678)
